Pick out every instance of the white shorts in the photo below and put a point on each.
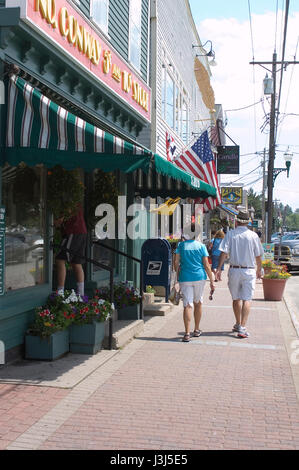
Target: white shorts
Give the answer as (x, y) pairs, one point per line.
(192, 292)
(241, 283)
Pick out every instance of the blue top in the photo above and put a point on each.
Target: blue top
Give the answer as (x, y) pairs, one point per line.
(215, 247)
(191, 265)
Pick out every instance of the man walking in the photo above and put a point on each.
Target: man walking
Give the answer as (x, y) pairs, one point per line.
(244, 250)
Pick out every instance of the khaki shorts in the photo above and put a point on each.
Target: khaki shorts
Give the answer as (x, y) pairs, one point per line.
(192, 292)
(241, 283)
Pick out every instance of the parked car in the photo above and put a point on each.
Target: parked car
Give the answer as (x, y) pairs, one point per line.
(16, 250)
(287, 253)
(37, 250)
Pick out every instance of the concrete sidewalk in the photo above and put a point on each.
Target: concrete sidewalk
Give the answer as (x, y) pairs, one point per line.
(216, 392)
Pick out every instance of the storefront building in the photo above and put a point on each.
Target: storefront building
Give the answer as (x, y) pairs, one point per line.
(76, 94)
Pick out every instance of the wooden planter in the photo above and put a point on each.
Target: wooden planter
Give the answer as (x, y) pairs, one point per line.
(87, 339)
(273, 288)
(49, 348)
(129, 313)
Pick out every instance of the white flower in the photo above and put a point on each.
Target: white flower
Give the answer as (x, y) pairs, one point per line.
(101, 301)
(112, 306)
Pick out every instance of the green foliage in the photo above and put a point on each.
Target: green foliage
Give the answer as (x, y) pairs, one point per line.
(104, 192)
(61, 310)
(65, 192)
(150, 290)
(292, 221)
(255, 201)
(124, 295)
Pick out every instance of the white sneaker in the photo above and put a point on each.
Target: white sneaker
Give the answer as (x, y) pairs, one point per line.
(236, 327)
(243, 333)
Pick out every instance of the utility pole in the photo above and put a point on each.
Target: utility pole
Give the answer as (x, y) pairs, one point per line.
(263, 199)
(271, 151)
(272, 137)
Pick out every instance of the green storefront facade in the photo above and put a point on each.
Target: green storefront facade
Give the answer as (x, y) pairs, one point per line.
(82, 64)
(76, 93)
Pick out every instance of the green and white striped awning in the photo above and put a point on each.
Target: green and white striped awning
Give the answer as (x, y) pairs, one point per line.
(40, 131)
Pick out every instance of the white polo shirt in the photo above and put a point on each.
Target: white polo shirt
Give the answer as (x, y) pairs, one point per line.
(243, 246)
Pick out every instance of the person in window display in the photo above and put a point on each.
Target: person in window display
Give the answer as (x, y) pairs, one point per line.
(72, 249)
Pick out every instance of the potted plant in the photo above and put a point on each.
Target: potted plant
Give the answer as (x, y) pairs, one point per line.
(87, 331)
(149, 295)
(267, 265)
(126, 298)
(274, 283)
(48, 336)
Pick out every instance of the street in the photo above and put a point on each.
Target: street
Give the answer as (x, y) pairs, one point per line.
(216, 392)
(291, 297)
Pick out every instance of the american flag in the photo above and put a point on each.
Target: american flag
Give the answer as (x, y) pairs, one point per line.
(170, 147)
(198, 160)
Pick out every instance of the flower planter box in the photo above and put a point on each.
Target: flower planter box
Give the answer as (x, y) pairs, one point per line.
(49, 348)
(129, 313)
(87, 339)
(273, 288)
(148, 298)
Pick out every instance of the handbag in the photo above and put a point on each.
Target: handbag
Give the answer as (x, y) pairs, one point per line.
(175, 294)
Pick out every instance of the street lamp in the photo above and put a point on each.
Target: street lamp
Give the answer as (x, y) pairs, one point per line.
(288, 159)
(211, 53)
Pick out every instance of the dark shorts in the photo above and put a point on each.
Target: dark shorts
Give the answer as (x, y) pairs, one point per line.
(215, 262)
(76, 243)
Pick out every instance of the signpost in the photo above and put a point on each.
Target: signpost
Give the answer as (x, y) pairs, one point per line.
(2, 249)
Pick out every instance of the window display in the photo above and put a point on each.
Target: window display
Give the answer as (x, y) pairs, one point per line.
(23, 196)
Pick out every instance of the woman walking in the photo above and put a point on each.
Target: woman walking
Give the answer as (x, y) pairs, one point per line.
(216, 252)
(193, 268)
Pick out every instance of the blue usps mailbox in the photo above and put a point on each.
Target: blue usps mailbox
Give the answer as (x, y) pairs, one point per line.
(156, 258)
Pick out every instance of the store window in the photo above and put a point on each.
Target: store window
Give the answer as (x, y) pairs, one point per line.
(99, 13)
(174, 102)
(185, 123)
(163, 92)
(169, 101)
(135, 33)
(178, 111)
(23, 196)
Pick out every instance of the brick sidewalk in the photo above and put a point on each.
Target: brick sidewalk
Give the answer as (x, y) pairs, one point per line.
(216, 392)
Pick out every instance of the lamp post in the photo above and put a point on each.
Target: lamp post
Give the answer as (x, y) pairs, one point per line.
(288, 160)
(211, 53)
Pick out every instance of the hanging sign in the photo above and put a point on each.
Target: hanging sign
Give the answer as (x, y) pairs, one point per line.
(2, 249)
(228, 160)
(231, 195)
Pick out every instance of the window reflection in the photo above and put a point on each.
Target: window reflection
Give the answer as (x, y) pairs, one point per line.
(23, 198)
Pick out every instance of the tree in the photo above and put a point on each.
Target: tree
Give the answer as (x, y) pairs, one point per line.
(255, 201)
(292, 221)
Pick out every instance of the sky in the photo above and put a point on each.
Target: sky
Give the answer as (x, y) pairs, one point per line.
(243, 31)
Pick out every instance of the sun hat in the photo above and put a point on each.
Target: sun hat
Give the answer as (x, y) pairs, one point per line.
(243, 217)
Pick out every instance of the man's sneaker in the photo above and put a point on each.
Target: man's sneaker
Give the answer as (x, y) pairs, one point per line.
(236, 327)
(243, 333)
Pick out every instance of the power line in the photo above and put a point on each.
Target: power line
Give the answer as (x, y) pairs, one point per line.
(291, 78)
(282, 59)
(245, 107)
(253, 72)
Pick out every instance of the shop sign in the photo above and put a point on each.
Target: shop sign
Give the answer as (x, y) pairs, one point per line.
(268, 251)
(231, 195)
(62, 24)
(2, 249)
(228, 160)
